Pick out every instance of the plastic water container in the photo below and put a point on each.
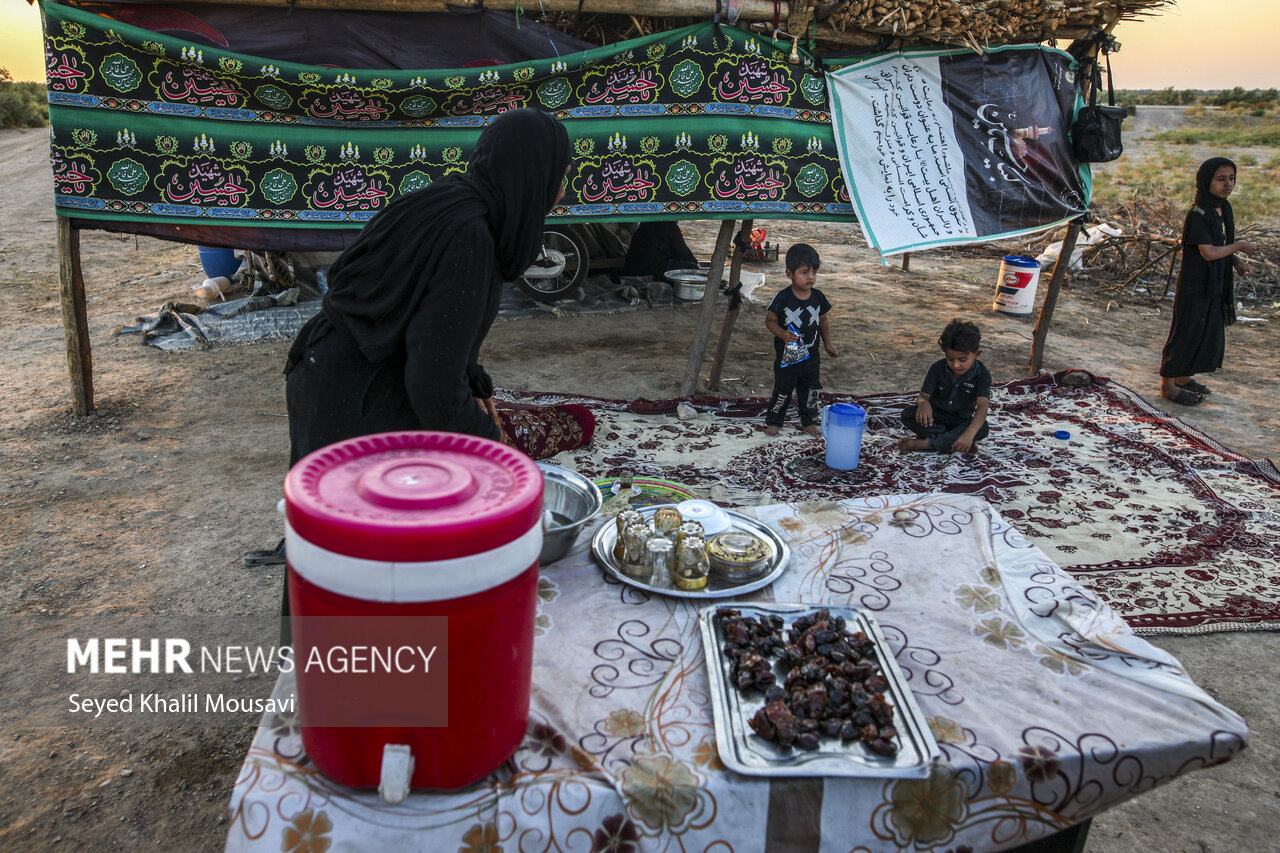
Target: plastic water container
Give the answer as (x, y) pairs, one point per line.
(1016, 287)
(842, 427)
(425, 541)
(218, 262)
(213, 288)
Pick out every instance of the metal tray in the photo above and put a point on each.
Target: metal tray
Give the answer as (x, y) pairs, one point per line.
(743, 750)
(607, 534)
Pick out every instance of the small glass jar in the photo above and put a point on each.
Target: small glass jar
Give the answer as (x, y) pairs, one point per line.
(659, 560)
(688, 528)
(634, 539)
(738, 556)
(692, 564)
(666, 520)
(624, 519)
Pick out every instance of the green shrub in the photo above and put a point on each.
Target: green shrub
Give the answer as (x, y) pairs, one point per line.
(22, 104)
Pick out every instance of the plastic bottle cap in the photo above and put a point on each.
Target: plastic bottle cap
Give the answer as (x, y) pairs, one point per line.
(1062, 433)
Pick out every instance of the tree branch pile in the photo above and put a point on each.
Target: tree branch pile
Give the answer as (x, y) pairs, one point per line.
(838, 25)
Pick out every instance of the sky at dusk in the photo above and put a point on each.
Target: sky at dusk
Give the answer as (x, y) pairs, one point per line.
(1194, 44)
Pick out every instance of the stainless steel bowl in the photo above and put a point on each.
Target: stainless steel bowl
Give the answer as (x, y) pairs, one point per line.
(688, 285)
(573, 500)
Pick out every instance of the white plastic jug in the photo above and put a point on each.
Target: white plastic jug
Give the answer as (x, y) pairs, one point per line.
(842, 425)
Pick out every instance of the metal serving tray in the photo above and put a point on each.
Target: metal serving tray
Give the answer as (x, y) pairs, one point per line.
(741, 749)
(779, 554)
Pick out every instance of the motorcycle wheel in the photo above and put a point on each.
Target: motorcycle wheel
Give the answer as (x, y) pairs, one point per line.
(566, 255)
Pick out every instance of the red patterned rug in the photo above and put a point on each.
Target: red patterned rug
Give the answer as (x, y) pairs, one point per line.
(1176, 532)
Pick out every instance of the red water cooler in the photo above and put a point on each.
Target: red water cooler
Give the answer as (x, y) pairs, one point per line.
(413, 574)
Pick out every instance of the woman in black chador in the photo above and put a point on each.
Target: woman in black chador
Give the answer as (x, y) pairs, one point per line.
(410, 302)
(1205, 302)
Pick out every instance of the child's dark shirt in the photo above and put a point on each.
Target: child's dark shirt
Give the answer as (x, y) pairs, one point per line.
(954, 396)
(803, 314)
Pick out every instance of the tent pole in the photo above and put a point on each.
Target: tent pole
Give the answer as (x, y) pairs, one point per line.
(735, 301)
(1051, 295)
(75, 318)
(723, 241)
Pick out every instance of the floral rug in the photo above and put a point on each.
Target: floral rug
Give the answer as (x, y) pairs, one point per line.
(1176, 532)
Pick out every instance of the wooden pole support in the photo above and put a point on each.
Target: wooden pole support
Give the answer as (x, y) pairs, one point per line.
(1051, 295)
(723, 241)
(735, 302)
(75, 318)
(906, 261)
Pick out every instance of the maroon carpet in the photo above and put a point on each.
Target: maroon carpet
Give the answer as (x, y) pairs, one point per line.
(1176, 532)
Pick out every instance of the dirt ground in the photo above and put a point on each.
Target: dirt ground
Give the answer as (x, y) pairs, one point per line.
(142, 510)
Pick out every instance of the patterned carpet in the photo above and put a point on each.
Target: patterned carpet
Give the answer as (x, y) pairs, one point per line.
(1177, 533)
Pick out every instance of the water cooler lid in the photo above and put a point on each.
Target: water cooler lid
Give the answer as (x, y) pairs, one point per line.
(413, 496)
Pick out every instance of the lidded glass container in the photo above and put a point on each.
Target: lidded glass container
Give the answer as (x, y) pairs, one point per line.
(737, 555)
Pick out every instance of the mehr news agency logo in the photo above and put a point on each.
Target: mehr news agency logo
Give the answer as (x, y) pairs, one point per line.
(173, 656)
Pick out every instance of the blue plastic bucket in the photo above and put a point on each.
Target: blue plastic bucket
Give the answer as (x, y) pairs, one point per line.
(218, 262)
(1016, 287)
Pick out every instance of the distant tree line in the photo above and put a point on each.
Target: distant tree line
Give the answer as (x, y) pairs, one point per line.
(22, 104)
(1239, 98)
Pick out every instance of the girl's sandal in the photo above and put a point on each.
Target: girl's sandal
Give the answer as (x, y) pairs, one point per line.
(1194, 387)
(1186, 398)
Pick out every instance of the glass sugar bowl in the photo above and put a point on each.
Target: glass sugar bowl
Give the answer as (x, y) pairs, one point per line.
(736, 556)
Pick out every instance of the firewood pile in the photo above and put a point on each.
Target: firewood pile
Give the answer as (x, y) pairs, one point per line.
(836, 25)
(1143, 259)
(983, 22)
(1141, 262)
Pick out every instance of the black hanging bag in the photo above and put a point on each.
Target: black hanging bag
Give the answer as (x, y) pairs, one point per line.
(1095, 136)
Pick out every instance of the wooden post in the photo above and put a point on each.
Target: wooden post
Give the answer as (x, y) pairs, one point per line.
(1051, 295)
(75, 318)
(741, 242)
(906, 261)
(723, 241)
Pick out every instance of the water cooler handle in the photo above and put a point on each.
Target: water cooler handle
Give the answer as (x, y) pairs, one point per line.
(397, 771)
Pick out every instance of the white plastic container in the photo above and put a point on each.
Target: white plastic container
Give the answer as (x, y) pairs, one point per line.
(1016, 287)
(213, 288)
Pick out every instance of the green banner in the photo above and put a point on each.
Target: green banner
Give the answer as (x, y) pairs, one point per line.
(698, 123)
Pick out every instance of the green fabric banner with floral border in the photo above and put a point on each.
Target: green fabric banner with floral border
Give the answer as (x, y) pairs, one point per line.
(698, 123)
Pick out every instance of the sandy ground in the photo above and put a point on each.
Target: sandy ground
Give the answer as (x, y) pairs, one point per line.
(141, 511)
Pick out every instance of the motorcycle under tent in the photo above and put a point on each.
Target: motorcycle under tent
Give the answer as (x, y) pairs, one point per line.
(285, 125)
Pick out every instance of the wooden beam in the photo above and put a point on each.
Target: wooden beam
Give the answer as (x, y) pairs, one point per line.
(1051, 295)
(752, 10)
(723, 241)
(741, 242)
(75, 318)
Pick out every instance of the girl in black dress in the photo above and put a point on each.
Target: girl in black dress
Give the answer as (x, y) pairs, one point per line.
(1205, 302)
(396, 345)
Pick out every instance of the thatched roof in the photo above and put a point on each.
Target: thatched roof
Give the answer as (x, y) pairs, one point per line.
(833, 24)
(843, 24)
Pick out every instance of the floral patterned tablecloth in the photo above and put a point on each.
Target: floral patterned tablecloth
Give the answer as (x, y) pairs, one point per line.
(1046, 706)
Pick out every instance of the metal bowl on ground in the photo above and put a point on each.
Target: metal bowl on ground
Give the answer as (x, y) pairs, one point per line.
(688, 285)
(569, 501)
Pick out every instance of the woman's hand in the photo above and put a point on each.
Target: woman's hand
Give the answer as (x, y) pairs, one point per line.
(490, 408)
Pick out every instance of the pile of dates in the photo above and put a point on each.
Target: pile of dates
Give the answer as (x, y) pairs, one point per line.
(833, 686)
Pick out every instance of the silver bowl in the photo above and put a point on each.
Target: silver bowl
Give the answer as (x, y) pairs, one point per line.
(573, 500)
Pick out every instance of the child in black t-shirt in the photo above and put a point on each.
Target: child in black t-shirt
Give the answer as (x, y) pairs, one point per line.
(802, 308)
(950, 413)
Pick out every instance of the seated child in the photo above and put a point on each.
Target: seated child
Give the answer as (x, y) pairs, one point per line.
(950, 413)
(798, 314)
